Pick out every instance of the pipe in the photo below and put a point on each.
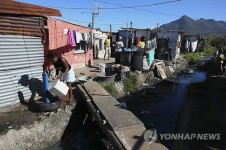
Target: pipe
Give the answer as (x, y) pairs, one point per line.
(45, 87)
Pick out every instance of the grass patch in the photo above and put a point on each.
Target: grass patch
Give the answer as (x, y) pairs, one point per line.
(193, 58)
(110, 88)
(130, 83)
(208, 50)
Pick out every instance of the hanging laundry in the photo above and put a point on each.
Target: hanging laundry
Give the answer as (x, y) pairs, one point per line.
(78, 37)
(187, 45)
(194, 46)
(83, 36)
(70, 38)
(152, 44)
(151, 55)
(74, 33)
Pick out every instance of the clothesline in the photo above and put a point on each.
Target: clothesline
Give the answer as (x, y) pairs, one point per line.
(74, 37)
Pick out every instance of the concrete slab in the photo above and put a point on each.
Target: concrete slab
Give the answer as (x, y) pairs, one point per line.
(117, 117)
(133, 139)
(128, 129)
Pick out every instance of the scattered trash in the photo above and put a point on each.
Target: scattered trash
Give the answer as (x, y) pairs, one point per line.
(144, 84)
(123, 105)
(144, 112)
(10, 127)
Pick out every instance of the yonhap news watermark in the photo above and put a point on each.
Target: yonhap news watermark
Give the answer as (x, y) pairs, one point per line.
(150, 136)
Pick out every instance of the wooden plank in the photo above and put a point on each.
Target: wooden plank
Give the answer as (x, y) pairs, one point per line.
(161, 71)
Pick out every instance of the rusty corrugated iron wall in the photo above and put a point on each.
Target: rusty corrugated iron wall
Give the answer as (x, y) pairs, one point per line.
(21, 60)
(21, 57)
(14, 7)
(22, 25)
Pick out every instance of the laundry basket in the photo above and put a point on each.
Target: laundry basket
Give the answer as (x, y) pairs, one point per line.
(59, 88)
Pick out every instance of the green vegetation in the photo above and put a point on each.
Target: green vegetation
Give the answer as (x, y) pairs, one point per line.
(211, 44)
(130, 83)
(110, 88)
(193, 58)
(216, 40)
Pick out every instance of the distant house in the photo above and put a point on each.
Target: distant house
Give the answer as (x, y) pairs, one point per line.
(169, 41)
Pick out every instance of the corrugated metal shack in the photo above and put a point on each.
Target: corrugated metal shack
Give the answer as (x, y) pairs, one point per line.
(22, 38)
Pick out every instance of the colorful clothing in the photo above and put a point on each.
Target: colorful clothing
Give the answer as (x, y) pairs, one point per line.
(107, 42)
(141, 44)
(70, 38)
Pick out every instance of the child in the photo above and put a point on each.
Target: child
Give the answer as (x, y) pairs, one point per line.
(64, 72)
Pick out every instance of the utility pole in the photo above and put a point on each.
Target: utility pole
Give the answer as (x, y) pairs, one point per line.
(127, 40)
(110, 30)
(131, 32)
(93, 17)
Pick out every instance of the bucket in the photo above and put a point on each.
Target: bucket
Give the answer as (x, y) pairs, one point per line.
(59, 88)
(102, 68)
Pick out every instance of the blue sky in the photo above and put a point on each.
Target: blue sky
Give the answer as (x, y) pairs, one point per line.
(148, 17)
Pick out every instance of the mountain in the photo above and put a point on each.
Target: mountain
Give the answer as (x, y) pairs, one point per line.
(200, 26)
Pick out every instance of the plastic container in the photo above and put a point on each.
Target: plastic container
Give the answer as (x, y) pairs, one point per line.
(59, 88)
(102, 68)
(137, 62)
(83, 79)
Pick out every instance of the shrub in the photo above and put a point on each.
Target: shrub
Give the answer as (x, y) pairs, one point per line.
(130, 83)
(208, 50)
(110, 88)
(193, 58)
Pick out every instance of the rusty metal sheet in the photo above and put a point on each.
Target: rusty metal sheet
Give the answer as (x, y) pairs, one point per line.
(22, 25)
(14, 7)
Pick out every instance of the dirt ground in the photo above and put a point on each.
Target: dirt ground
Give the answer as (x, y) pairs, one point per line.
(14, 117)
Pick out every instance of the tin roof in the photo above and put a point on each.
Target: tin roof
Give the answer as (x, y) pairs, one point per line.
(14, 7)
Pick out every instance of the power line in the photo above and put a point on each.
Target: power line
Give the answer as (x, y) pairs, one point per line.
(141, 9)
(121, 6)
(74, 20)
(146, 5)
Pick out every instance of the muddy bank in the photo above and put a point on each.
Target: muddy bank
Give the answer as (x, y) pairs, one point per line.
(27, 130)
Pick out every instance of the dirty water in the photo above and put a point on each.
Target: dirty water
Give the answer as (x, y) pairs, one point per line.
(155, 109)
(82, 132)
(160, 106)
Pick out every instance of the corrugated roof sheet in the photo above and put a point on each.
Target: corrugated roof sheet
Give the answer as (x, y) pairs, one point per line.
(14, 7)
